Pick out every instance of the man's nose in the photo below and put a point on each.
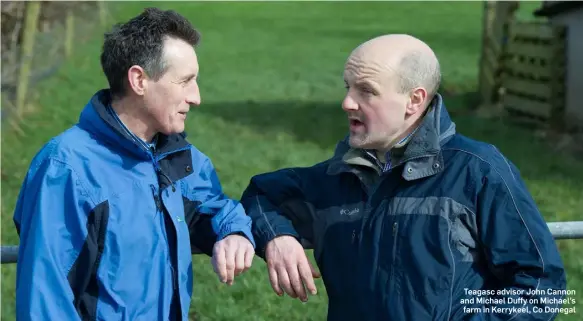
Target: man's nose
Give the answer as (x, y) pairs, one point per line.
(193, 97)
(349, 104)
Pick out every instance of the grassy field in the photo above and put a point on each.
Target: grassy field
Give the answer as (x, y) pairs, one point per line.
(271, 83)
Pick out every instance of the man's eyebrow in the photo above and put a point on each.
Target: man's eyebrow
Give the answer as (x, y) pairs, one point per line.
(365, 84)
(187, 77)
(361, 82)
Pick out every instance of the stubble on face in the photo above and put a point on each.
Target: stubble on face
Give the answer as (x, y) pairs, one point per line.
(382, 104)
(367, 78)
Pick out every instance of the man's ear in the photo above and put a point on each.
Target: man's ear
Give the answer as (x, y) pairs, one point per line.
(137, 79)
(418, 99)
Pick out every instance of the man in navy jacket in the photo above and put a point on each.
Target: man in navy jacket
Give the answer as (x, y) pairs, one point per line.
(409, 219)
(110, 209)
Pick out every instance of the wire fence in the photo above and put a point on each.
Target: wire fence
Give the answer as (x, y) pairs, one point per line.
(37, 38)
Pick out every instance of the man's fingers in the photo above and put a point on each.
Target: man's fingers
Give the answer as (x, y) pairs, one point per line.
(315, 273)
(220, 259)
(214, 265)
(306, 273)
(249, 254)
(230, 257)
(289, 272)
(274, 280)
(284, 282)
(240, 261)
(296, 282)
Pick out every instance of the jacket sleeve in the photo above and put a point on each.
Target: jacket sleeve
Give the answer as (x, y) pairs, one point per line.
(278, 204)
(50, 218)
(520, 250)
(213, 215)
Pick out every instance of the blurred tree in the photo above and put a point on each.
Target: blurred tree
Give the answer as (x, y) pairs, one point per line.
(53, 37)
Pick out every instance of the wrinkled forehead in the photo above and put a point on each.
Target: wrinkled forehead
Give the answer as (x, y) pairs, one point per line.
(370, 65)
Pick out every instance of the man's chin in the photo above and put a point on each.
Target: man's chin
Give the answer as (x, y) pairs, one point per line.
(358, 141)
(172, 131)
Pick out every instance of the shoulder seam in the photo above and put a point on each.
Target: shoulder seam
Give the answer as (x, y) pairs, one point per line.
(78, 177)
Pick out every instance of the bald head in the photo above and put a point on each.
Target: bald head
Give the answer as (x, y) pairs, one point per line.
(409, 59)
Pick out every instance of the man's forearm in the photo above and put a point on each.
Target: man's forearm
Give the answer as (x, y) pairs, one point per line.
(268, 223)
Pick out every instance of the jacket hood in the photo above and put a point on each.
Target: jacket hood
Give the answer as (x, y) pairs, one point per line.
(422, 153)
(96, 119)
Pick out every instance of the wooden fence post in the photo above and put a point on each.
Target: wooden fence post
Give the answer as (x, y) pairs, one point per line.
(69, 32)
(497, 17)
(102, 13)
(29, 33)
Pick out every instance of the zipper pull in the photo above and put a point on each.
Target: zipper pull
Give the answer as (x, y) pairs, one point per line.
(395, 225)
(156, 198)
(353, 235)
(159, 170)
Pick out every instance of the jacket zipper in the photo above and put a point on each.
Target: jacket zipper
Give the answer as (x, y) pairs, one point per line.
(158, 202)
(156, 197)
(150, 152)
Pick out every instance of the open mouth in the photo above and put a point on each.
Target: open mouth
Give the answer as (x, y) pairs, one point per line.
(356, 125)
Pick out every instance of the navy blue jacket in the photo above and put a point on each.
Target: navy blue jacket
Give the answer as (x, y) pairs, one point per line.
(107, 225)
(453, 215)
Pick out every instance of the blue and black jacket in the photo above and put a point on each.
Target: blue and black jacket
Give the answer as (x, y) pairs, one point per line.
(107, 225)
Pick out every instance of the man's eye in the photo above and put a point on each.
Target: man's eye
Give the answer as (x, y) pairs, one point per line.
(366, 90)
(187, 81)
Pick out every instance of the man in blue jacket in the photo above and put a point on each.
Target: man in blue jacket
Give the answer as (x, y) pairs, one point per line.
(409, 220)
(111, 209)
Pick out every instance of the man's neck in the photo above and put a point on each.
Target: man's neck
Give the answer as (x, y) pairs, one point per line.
(403, 138)
(400, 142)
(133, 119)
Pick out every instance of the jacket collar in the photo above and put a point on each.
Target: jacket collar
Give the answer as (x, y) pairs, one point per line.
(96, 119)
(422, 154)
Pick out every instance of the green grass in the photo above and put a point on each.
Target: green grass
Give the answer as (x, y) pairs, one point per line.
(271, 83)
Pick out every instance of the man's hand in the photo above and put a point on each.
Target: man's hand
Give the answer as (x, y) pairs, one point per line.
(289, 268)
(232, 256)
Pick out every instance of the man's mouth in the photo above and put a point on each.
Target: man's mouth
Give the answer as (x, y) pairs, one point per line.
(356, 124)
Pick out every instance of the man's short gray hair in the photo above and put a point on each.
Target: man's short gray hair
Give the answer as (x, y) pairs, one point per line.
(418, 69)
